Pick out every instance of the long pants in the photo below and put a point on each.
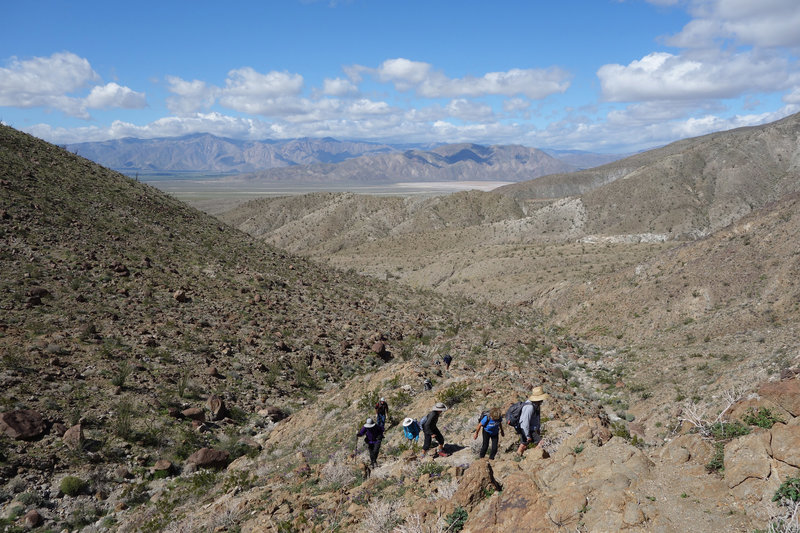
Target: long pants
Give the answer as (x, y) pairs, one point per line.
(485, 446)
(435, 433)
(373, 448)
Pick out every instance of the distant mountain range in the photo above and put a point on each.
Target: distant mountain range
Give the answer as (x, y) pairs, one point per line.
(329, 160)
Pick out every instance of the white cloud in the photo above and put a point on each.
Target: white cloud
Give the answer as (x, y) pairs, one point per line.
(407, 75)
(469, 110)
(664, 76)
(114, 95)
(513, 105)
(338, 87)
(190, 96)
(763, 23)
(48, 82)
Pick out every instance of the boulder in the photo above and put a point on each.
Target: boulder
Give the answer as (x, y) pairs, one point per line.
(32, 519)
(477, 481)
(747, 457)
(73, 437)
(785, 444)
(217, 407)
(22, 424)
(786, 394)
(519, 507)
(209, 458)
(194, 413)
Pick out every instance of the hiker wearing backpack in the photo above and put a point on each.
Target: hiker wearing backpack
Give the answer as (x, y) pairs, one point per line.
(492, 425)
(381, 412)
(525, 418)
(447, 359)
(429, 429)
(373, 435)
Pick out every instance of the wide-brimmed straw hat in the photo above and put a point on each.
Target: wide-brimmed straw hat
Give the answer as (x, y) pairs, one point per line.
(537, 395)
(407, 422)
(369, 423)
(439, 407)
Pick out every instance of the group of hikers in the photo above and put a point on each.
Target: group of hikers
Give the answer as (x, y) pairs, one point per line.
(524, 417)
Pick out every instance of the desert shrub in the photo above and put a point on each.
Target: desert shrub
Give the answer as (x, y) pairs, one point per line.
(368, 400)
(763, 418)
(717, 462)
(728, 430)
(400, 399)
(337, 472)
(789, 490)
(456, 519)
(431, 468)
(381, 515)
(455, 393)
(122, 423)
(123, 371)
(72, 486)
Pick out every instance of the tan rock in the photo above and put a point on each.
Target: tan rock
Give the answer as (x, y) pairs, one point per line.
(209, 458)
(567, 507)
(784, 393)
(476, 482)
(73, 437)
(519, 507)
(747, 457)
(23, 424)
(785, 444)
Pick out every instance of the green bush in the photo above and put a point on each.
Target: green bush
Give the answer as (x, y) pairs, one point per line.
(72, 486)
(432, 469)
(455, 393)
(717, 462)
(728, 430)
(456, 519)
(789, 490)
(763, 418)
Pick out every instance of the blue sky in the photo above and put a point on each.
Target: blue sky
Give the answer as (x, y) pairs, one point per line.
(597, 75)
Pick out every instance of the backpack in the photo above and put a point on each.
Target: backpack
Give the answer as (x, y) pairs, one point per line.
(513, 413)
(423, 420)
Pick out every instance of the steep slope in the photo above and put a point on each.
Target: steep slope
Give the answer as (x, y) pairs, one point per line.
(460, 162)
(685, 190)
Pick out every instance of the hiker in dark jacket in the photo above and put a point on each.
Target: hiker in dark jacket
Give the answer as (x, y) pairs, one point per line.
(492, 426)
(373, 434)
(381, 412)
(529, 427)
(430, 430)
(447, 360)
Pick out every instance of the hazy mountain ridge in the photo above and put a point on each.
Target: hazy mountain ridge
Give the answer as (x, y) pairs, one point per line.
(208, 153)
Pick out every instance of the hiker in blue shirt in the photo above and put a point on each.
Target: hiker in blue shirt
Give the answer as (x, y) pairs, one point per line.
(373, 434)
(411, 430)
(492, 426)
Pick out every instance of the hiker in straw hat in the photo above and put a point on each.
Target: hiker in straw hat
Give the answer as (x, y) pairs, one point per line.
(530, 419)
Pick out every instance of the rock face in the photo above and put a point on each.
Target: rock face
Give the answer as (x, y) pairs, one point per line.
(783, 393)
(476, 483)
(73, 437)
(23, 424)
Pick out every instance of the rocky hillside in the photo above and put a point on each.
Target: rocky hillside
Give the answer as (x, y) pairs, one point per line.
(165, 372)
(456, 162)
(685, 190)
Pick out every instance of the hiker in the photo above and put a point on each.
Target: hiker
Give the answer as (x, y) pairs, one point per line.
(411, 430)
(427, 385)
(381, 411)
(529, 420)
(492, 425)
(429, 429)
(373, 434)
(447, 360)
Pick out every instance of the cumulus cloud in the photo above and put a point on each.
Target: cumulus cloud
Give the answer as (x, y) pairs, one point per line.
(664, 76)
(766, 23)
(190, 96)
(469, 110)
(49, 81)
(338, 87)
(114, 95)
(407, 75)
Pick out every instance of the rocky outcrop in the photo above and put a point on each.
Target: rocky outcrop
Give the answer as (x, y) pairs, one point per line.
(22, 424)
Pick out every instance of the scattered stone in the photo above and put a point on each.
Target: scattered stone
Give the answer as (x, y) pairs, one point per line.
(23, 424)
(32, 519)
(179, 296)
(213, 372)
(217, 407)
(163, 465)
(209, 458)
(73, 437)
(273, 413)
(194, 413)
